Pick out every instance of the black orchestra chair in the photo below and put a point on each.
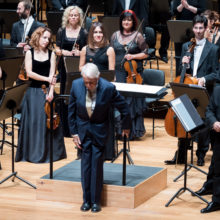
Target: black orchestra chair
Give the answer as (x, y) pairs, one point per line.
(155, 78)
(150, 39)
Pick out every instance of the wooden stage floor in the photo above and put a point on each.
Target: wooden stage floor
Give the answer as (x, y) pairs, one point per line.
(18, 200)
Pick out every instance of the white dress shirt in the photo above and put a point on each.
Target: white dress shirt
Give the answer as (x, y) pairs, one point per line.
(27, 26)
(197, 54)
(127, 4)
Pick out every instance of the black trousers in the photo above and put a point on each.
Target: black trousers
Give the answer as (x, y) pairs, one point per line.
(92, 171)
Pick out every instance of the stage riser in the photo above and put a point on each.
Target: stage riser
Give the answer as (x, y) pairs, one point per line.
(112, 195)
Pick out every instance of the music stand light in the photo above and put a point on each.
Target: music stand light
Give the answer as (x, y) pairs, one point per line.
(191, 122)
(9, 103)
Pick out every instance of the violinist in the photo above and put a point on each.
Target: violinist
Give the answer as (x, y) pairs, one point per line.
(130, 45)
(34, 136)
(25, 27)
(98, 50)
(71, 38)
(203, 64)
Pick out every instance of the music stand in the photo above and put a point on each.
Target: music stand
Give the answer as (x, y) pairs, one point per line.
(71, 63)
(200, 99)
(180, 31)
(54, 20)
(9, 103)
(7, 18)
(11, 52)
(191, 122)
(11, 67)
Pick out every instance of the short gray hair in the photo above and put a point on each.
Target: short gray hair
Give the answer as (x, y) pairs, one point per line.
(90, 70)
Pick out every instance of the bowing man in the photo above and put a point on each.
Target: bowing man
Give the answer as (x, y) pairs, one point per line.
(90, 100)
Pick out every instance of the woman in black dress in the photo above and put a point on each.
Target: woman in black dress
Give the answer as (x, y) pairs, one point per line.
(125, 39)
(69, 34)
(98, 50)
(34, 137)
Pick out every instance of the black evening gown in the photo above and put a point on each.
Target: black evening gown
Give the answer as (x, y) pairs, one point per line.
(136, 105)
(66, 43)
(34, 136)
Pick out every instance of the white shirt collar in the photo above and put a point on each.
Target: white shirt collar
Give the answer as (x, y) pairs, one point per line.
(200, 42)
(31, 19)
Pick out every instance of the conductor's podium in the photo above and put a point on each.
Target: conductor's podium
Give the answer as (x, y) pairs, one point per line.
(143, 182)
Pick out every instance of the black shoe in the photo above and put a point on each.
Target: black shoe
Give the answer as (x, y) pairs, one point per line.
(211, 207)
(200, 161)
(203, 191)
(85, 206)
(164, 58)
(96, 207)
(173, 161)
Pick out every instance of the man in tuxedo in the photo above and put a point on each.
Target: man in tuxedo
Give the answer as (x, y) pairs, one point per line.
(25, 27)
(212, 184)
(91, 97)
(62, 4)
(203, 64)
(140, 7)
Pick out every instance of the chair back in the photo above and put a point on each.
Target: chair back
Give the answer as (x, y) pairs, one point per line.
(149, 36)
(153, 77)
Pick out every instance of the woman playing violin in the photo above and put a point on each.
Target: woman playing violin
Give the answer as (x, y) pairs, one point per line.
(98, 50)
(130, 45)
(33, 140)
(69, 35)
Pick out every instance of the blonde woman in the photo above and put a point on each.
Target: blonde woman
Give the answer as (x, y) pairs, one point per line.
(33, 140)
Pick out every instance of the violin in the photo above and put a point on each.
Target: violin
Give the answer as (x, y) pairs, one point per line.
(130, 67)
(172, 124)
(47, 109)
(216, 24)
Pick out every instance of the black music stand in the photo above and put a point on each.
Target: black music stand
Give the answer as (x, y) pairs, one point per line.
(7, 18)
(11, 67)
(192, 122)
(180, 31)
(200, 99)
(10, 102)
(71, 63)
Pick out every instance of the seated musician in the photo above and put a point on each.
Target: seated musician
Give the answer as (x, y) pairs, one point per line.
(25, 26)
(204, 66)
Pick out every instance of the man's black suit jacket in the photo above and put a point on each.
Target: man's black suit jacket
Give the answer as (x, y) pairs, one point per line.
(140, 7)
(18, 30)
(57, 4)
(208, 64)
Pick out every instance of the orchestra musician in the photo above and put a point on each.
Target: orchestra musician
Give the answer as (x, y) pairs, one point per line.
(25, 26)
(71, 33)
(204, 66)
(212, 184)
(98, 50)
(130, 45)
(91, 97)
(34, 136)
(62, 4)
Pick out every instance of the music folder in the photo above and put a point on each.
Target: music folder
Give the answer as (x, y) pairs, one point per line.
(186, 113)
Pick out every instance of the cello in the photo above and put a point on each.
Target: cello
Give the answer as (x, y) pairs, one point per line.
(172, 124)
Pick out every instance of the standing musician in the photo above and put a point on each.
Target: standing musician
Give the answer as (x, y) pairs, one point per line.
(130, 45)
(204, 66)
(212, 184)
(98, 50)
(91, 97)
(25, 27)
(62, 4)
(34, 136)
(71, 33)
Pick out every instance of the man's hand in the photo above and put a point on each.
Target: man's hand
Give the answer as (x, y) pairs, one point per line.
(186, 59)
(216, 126)
(201, 81)
(77, 141)
(125, 132)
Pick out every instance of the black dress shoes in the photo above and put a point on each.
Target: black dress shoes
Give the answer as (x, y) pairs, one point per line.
(200, 161)
(85, 206)
(96, 207)
(211, 207)
(203, 191)
(174, 160)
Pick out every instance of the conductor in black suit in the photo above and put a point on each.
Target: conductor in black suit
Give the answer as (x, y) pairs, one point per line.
(62, 4)
(140, 7)
(25, 27)
(91, 97)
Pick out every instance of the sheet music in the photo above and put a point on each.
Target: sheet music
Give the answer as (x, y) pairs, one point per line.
(137, 88)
